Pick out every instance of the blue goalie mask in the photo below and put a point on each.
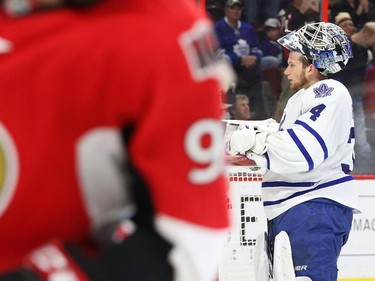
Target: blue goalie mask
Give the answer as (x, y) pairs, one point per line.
(324, 44)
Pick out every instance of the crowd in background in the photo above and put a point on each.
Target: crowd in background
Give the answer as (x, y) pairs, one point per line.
(247, 32)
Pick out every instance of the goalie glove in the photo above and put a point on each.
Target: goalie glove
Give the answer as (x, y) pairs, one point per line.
(246, 140)
(54, 261)
(260, 160)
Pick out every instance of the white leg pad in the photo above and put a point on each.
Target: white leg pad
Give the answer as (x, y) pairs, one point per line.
(303, 278)
(283, 268)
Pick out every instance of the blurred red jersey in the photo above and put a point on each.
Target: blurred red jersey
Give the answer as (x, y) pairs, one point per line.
(71, 80)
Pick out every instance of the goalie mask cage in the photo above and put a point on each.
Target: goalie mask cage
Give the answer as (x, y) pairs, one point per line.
(248, 220)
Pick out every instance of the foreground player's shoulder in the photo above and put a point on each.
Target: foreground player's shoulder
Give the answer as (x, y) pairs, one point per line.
(171, 16)
(185, 44)
(157, 29)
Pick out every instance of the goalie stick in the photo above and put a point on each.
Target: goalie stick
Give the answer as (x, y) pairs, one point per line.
(277, 266)
(263, 265)
(268, 125)
(251, 123)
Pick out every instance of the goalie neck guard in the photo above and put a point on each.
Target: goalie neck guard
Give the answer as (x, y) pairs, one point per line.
(325, 45)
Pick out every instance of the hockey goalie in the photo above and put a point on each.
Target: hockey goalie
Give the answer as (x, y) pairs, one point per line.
(308, 192)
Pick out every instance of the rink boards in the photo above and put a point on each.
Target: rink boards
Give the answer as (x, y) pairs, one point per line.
(357, 259)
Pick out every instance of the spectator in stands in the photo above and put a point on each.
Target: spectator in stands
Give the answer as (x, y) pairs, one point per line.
(258, 11)
(353, 76)
(240, 44)
(272, 59)
(344, 20)
(369, 94)
(215, 9)
(272, 51)
(361, 11)
(240, 109)
(299, 13)
(369, 104)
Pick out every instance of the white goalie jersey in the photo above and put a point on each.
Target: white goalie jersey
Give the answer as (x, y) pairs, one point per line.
(311, 156)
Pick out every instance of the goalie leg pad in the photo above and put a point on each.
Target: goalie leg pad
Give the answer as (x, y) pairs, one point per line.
(283, 269)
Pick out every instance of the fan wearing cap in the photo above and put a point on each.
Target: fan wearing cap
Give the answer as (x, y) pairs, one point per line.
(272, 51)
(238, 38)
(239, 42)
(361, 11)
(344, 20)
(308, 190)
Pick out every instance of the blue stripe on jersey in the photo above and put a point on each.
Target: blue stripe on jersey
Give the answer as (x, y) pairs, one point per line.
(268, 160)
(323, 185)
(352, 135)
(285, 183)
(316, 135)
(346, 168)
(301, 148)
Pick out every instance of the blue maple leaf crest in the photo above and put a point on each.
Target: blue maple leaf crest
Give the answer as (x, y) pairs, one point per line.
(322, 91)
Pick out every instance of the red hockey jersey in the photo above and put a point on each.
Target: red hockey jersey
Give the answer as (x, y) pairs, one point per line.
(70, 80)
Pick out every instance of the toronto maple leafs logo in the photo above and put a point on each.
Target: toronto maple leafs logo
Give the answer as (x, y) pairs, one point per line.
(322, 91)
(241, 48)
